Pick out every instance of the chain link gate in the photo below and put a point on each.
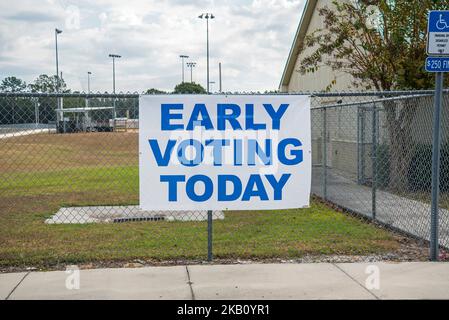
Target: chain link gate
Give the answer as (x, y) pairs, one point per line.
(371, 155)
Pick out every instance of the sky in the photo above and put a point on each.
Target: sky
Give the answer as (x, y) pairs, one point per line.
(251, 38)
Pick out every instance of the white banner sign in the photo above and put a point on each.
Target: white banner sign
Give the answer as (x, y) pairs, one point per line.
(216, 152)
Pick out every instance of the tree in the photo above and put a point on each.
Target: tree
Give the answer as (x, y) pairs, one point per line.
(382, 45)
(13, 84)
(48, 84)
(18, 109)
(155, 91)
(189, 87)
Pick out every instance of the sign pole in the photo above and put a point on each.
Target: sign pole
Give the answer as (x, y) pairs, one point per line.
(209, 235)
(438, 62)
(374, 162)
(434, 245)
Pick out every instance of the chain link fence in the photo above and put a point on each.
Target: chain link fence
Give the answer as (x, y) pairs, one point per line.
(371, 155)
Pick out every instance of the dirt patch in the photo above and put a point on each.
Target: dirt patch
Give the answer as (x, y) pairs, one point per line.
(50, 152)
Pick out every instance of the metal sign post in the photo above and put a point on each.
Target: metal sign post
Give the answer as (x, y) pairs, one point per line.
(437, 46)
(434, 243)
(209, 235)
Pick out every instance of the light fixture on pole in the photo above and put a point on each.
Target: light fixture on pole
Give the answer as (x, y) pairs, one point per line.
(207, 16)
(114, 56)
(183, 56)
(191, 65)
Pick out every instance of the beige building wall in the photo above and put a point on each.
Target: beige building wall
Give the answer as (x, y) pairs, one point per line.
(321, 79)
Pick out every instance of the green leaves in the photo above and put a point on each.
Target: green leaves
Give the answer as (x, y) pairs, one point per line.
(189, 87)
(48, 84)
(12, 84)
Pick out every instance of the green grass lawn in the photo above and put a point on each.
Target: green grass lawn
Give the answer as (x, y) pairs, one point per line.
(30, 193)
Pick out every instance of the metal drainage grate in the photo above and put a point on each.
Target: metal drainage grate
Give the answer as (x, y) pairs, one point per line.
(155, 218)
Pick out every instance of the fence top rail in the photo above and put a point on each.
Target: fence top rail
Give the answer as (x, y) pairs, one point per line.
(309, 93)
(372, 101)
(67, 95)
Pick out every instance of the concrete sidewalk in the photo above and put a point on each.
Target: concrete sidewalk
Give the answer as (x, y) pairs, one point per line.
(415, 280)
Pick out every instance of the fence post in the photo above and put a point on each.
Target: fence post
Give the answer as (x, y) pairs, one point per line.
(362, 145)
(374, 162)
(36, 112)
(361, 176)
(324, 158)
(209, 235)
(434, 243)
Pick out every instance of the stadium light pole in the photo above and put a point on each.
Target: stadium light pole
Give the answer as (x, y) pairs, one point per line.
(207, 16)
(191, 65)
(114, 56)
(183, 56)
(219, 77)
(88, 81)
(57, 31)
(59, 115)
(88, 87)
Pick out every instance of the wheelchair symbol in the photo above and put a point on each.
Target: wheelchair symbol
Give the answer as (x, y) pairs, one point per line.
(442, 24)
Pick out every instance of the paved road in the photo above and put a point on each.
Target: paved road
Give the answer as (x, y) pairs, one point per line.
(415, 280)
(406, 214)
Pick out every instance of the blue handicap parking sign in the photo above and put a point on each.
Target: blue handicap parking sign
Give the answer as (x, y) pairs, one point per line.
(438, 33)
(439, 21)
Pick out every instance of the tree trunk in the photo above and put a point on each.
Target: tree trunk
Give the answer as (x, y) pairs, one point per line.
(399, 116)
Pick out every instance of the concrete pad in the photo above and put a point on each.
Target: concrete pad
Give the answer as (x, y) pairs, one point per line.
(410, 280)
(138, 283)
(8, 281)
(274, 281)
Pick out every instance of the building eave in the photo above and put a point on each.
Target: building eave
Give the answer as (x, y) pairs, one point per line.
(300, 34)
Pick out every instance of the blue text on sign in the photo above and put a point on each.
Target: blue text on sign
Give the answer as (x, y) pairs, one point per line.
(246, 152)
